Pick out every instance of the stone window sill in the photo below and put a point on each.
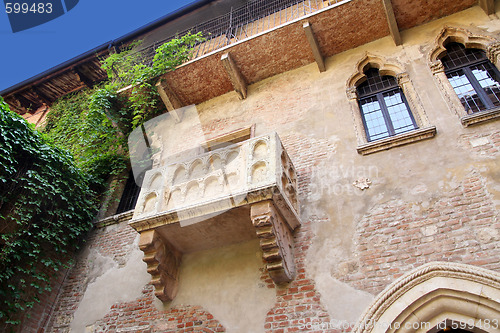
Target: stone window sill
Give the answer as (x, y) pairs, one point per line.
(397, 140)
(480, 117)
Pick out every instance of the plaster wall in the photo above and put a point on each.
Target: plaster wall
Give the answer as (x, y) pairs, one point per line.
(312, 115)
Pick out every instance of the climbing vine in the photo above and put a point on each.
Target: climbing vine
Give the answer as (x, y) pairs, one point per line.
(125, 69)
(46, 207)
(91, 124)
(50, 181)
(94, 124)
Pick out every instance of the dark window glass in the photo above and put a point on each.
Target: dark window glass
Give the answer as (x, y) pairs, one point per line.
(473, 77)
(129, 196)
(383, 106)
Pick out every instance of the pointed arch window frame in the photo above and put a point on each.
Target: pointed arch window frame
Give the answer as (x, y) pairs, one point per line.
(488, 44)
(424, 130)
(379, 96)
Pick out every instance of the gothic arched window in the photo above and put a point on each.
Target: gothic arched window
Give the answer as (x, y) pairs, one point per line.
(473, 77)
(384, 109)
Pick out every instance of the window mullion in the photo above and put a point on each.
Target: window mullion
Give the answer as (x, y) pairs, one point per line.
(477, 87)
(385, 113)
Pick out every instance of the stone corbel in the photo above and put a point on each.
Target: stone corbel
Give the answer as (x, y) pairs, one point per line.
(488, 6)
(313, 43)
(163, 262)
(391, 22)
(234, 75)
(170, 99)
(276, 241)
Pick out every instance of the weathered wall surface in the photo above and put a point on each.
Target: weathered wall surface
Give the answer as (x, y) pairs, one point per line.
(431, 200)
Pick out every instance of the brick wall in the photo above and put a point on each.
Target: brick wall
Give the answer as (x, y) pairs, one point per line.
(395, 237)
(142, 316)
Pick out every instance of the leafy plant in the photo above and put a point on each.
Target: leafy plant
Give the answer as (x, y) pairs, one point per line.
(46, 207)
(126, 69)
(91, 124)
(50, 181)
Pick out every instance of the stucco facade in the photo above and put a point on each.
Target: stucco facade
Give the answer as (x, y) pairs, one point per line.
(370, 214)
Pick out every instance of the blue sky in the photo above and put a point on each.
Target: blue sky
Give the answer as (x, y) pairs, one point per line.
(88, 25)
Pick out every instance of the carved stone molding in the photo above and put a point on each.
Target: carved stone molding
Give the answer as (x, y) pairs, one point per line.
(430, 288)
(163, 262)
(370, 60)
(437, 67)
(493, 52)
(480, 117)
(403, 78)
(459, 35)
(352, 93)
(397, 140)
(276, 241)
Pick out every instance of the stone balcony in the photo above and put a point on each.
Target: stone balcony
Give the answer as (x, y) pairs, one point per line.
(229, 195)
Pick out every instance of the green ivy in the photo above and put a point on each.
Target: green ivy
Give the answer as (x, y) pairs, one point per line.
(46, 207)
(126, 69)
(91, 125)
(50, 181)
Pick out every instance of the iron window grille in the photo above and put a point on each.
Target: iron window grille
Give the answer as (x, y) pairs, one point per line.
(473, 77)
(384, 108)
(129, 196)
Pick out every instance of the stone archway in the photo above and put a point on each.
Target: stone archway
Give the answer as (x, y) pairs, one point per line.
(433, 296)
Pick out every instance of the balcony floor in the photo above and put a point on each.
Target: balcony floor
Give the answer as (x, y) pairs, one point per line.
(230, 227)
(337, 28)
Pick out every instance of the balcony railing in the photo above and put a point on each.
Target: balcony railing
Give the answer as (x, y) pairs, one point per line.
(250, 171)
(243, 22)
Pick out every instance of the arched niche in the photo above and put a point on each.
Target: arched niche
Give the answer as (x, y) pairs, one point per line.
(433, 294)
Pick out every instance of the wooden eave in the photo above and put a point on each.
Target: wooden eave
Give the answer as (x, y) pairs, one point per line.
(48, 89)
(337, 28)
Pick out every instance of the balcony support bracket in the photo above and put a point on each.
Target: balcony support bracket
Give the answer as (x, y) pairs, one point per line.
(318, 57)
(170, 99)
(276, 241)
(488, 6)
(391, 21)
(234, 75)
(163, 262)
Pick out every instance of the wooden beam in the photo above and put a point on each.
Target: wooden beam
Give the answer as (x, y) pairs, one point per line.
(488, 6)
(318, 57)
(391, 21)
(170, 99)
(83, 78)
(235, 76)
(15, 104)
(44, 98)
(24, 102)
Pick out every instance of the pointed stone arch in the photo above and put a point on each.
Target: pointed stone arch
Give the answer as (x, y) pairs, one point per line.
(463, 36)
(368, 61)
(489, 44)
(435, 295)
(424, 130)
